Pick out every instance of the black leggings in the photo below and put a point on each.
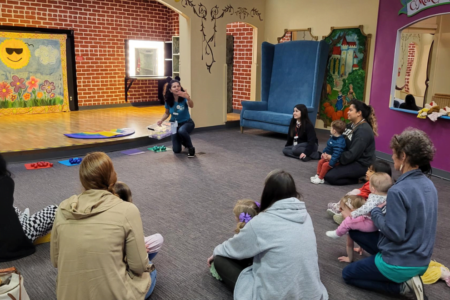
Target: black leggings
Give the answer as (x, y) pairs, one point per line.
(229, 269)
(345, 174)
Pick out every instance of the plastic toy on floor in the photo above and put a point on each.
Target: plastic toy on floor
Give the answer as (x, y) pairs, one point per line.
(157, 149)
(39, 165)
(435, 272)
(214, 272)
(75, 161)
(160, 132)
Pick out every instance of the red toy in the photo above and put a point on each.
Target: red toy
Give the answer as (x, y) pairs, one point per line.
(39, 165)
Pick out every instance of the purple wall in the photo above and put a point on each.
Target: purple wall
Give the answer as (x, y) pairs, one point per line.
(391, 122)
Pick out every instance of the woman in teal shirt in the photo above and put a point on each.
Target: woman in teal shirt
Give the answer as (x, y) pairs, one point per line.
(404, 244)
(177, 106)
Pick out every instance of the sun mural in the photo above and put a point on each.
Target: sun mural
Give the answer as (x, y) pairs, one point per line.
(33, 73)
(14, 53)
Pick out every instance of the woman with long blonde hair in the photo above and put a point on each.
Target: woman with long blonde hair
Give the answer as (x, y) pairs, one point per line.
(97, 240)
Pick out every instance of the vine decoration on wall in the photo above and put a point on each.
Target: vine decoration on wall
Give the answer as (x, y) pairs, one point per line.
(216, 13)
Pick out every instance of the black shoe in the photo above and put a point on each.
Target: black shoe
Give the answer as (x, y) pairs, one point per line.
(191, 152)
(306, 159)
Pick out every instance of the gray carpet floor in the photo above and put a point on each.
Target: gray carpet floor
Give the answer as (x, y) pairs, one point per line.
(190, 201)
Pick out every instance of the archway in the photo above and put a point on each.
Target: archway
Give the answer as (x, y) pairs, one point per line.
(241, 67)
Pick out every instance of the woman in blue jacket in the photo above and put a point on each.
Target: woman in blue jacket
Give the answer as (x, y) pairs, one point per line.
(403, 246)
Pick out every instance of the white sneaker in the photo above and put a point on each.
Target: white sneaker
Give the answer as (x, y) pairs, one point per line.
(413, 289)
(332, 234)
(314, 177)
(317, 180)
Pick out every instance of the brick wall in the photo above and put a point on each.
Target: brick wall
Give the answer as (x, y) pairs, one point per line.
(174, 24)
(100, 28)
(243, 43)
(409, 66)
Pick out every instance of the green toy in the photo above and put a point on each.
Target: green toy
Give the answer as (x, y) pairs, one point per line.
(159, 149)
(214, 272)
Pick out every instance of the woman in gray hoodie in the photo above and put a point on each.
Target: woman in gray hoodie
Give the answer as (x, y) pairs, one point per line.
(281, 241)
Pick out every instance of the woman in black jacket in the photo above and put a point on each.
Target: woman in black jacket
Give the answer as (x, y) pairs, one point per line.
(302, 142)
(410, 103)
(360, 139)
(17, 235)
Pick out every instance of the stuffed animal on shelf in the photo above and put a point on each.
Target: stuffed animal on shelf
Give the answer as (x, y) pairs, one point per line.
(422, 114)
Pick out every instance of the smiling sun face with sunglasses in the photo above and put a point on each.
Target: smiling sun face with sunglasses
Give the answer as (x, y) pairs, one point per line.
(14, 53)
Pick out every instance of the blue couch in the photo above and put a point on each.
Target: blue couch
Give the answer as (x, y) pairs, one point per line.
(292, 73)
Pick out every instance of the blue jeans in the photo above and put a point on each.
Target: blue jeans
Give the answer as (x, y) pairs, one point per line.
(151, 256)
(183, 136)
(367, 240)
(152, 286)
(365, 274)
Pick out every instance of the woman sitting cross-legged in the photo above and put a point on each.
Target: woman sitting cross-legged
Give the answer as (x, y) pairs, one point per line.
(282, 243)
(98, 241)
(360, 153)
(403, 246)
(18, 230)
(302, 142)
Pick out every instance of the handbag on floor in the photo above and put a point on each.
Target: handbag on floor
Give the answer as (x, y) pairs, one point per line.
(11, 285)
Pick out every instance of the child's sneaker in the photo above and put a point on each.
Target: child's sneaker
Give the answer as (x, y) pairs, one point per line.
(315, 176)
(338, 218)
(317, 180)
(332, 234)
(333, 209)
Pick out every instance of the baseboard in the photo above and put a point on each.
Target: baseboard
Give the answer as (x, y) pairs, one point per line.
(135, 104)
(436, 172)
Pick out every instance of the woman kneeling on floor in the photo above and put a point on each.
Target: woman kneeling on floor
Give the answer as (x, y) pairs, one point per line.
(282, 243)
(177, 105)
(402, 248)
(98, 241)
(360, 139)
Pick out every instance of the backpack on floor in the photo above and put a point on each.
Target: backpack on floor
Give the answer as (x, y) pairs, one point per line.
(11, 285)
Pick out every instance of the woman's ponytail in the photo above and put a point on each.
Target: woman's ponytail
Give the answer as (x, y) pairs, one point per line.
(368, 113)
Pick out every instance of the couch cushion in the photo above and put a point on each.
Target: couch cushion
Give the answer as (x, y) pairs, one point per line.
(293, 75)
(268, 117)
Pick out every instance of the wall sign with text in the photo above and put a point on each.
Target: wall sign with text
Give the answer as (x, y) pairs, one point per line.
(412, 7)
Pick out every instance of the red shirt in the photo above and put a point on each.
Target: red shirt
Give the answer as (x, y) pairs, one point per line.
(365, 190)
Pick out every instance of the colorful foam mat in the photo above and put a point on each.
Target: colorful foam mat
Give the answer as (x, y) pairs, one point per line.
(101, 134)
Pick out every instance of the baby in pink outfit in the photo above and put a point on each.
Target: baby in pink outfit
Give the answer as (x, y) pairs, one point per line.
(356, 211)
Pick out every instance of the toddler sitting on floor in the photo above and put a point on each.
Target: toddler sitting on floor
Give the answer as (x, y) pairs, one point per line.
(154, 242)
(378, 166)
(244, 211)
(357, 212)
(335, 146)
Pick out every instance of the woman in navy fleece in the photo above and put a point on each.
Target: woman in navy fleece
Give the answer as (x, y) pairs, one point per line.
(403, 246)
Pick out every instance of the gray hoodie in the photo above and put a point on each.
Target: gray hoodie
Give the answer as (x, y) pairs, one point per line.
(282, 242)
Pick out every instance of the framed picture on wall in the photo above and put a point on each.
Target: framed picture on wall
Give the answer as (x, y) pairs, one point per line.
(297, 35)
(346, 73)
